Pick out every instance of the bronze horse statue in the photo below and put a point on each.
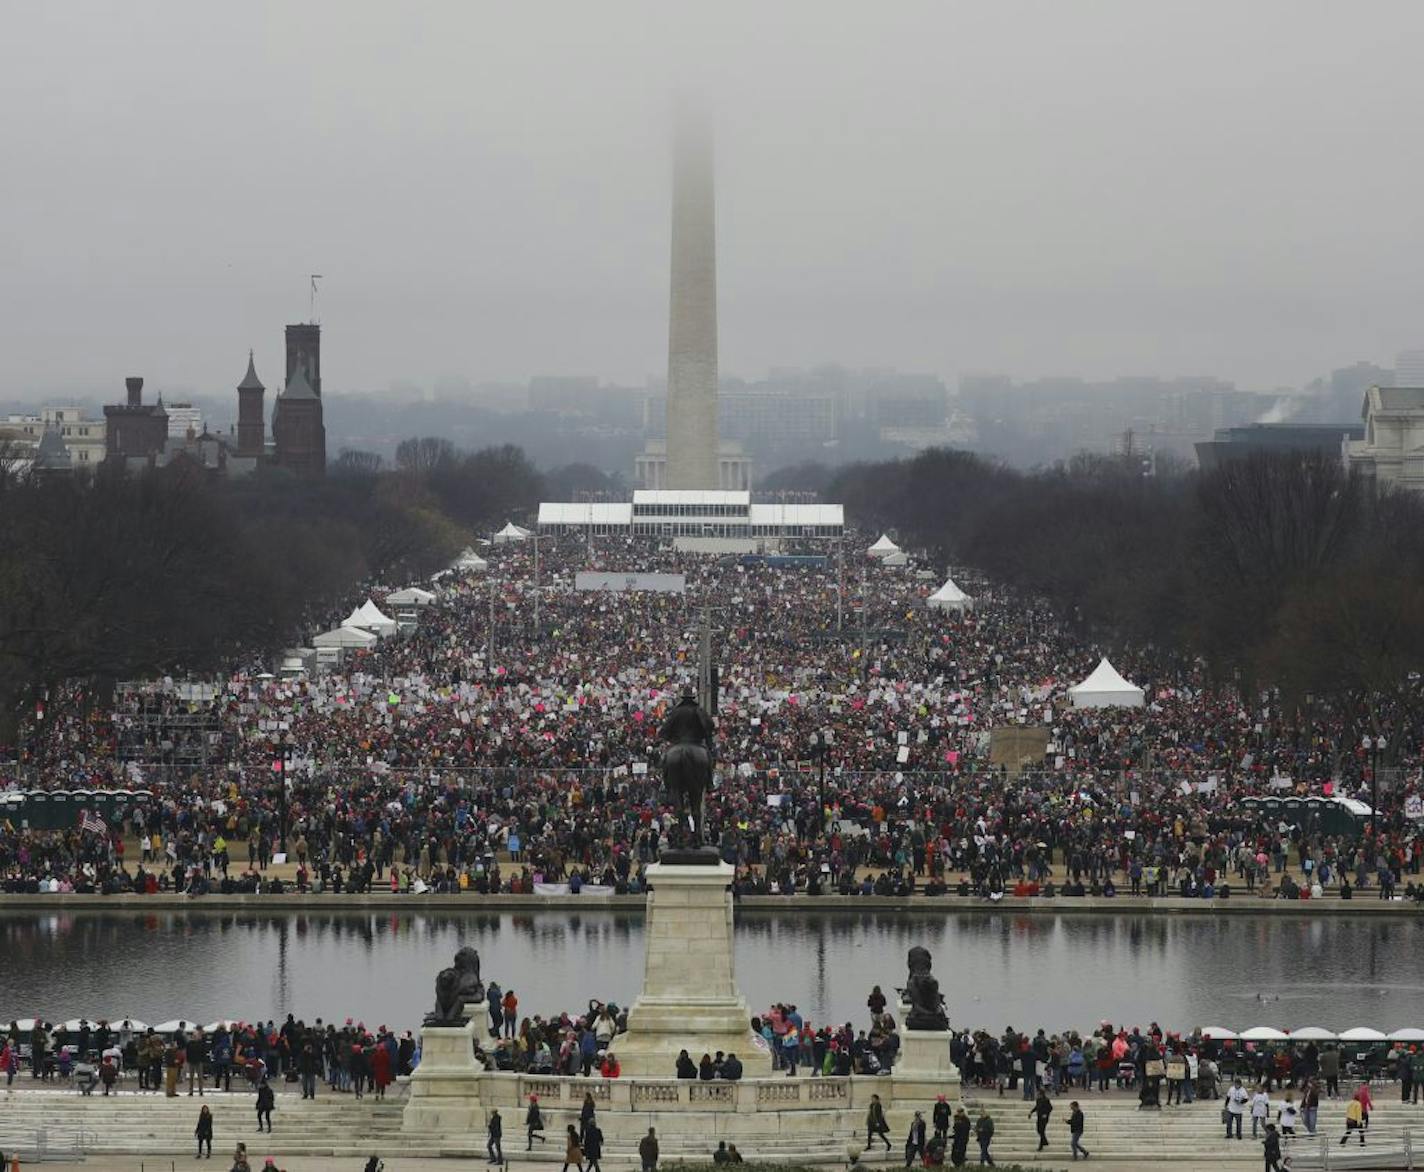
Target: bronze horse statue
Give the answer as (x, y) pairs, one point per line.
(687, 764)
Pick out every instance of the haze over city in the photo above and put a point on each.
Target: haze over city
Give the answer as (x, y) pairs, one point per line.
(1032, 189)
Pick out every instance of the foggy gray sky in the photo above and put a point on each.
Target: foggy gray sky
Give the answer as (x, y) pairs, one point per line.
(1126, 186)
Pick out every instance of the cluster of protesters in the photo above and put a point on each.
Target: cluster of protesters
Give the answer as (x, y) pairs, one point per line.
(476, 753)
(348, 1058)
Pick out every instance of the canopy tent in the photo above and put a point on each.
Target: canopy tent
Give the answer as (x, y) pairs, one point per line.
(1363, 1034)
(345, 636)
(949, 597)
(1105, 689)
(1315, 1034)
(369, 616)
(511, 532)
(898, 558)
(1263, 1034)
(469, 560)
(1218, 1034)
(1408, 1034)
(883, 548)
(177, 1024)
(410, 596)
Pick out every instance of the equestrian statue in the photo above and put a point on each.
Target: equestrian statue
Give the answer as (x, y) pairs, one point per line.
(687, 765)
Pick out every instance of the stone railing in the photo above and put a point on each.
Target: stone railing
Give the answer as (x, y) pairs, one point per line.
(745, 1096)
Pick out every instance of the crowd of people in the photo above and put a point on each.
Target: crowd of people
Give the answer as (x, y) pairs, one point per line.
(348, 1058)
(1279, 1087)
(477, 753)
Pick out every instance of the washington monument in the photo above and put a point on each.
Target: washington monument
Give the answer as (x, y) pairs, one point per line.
(692, 313)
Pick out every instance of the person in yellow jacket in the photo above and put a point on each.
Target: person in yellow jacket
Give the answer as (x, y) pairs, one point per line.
(1354, 1121)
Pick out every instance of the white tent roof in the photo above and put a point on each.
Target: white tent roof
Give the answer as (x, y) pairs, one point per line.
(345, 636)
(1314, 1034)
(469, 560)
(883, 547)
(410, 596)
(949, 597)
(511, 532)
(1263, 1034)
(898, 558)
(1104, 688)
(372, 617)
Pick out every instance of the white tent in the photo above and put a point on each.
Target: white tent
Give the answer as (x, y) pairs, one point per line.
(883, 548)
(344, 636)
(410, 596)
(949, 597)
(1105, 689)
(1263, 1034)
(469, 560)
(370, 617)
(511, 532)
(898, 558)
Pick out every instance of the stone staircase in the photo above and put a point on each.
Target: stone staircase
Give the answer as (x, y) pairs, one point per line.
(133, 1123)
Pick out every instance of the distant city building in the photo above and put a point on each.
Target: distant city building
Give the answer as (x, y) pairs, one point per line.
(1409, 369)
(1234, 443)
(83, 436)
(909, 401)
(577, 395)
(298, 433)
(183, 420)
(778, 415)
(135, 431)
(139, 436)
(1053, 418)
(1392, 450)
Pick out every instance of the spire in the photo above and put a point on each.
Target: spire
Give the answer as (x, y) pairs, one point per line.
(250, 381)
(297, 386)
(52, 454)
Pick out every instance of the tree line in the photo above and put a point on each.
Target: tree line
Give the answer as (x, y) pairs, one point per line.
(1277, 569)
(116, 576)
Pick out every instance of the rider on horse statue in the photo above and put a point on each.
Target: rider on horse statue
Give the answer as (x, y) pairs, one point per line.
(687, 766)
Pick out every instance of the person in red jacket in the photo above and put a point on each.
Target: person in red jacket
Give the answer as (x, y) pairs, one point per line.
(381, 1070)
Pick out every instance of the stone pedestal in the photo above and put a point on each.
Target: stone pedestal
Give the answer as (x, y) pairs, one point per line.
(690, 999)
(923, 1068)
(445, 1088)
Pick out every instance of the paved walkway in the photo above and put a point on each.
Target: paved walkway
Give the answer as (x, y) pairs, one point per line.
(220, 1161)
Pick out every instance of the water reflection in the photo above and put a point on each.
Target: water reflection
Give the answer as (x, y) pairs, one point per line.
(997, 968)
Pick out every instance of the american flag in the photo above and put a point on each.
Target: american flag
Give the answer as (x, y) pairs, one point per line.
(92, 823)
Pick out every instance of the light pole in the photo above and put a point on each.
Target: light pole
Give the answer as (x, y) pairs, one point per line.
(1374, 746)
(281, 763)
(820, 742)
(536, 586)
